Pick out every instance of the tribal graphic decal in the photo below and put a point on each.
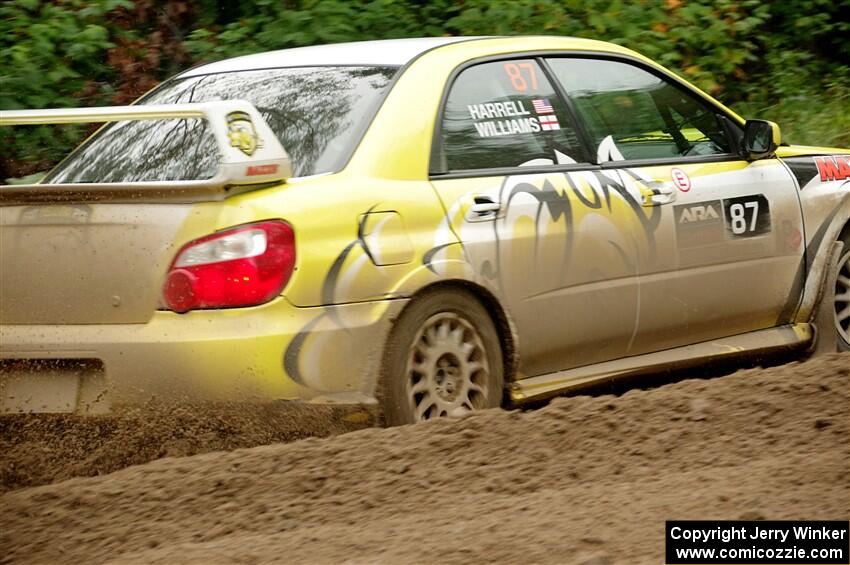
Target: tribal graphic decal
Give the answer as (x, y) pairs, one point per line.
(552, 231)
(544, 215)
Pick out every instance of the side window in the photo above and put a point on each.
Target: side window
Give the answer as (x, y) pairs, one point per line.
(633, 114)
(504, 114)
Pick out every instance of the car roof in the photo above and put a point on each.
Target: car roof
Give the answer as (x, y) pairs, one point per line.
(385, 52)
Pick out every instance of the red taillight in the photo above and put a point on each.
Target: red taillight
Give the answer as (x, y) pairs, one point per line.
(243, 266)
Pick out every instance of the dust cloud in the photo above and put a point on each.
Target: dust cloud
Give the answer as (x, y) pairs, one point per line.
(586, 480)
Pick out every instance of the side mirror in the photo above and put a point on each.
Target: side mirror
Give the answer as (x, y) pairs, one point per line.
(761, 138)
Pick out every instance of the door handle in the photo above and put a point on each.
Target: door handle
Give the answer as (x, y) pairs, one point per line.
(483, 208)
(662, 195)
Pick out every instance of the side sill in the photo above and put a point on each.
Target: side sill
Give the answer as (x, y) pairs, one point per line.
(760, 342)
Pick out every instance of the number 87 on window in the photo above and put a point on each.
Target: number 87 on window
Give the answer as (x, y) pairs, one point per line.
(523, 77)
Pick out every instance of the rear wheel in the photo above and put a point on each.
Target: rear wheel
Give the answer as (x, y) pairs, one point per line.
(443, 359)
(842, 296)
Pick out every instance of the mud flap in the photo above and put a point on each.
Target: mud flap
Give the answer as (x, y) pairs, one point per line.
(823, 316)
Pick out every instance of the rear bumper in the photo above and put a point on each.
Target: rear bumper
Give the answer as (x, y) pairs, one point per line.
(274, 351)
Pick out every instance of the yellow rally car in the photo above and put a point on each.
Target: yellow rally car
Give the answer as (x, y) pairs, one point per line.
(437, 225)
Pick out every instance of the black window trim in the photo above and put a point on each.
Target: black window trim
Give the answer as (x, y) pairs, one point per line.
(660, 162)
(580, 126)
(511, 171)
(577, 122)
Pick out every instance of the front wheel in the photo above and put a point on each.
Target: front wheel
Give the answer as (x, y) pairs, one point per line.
(443, 359)
(842, 297)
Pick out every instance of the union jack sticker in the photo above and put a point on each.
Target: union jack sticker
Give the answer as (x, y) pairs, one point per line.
(549, 123)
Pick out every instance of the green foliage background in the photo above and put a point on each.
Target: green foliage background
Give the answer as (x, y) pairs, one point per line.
(787, 60)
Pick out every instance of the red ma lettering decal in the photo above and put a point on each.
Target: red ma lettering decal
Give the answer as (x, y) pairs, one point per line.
(833, 168)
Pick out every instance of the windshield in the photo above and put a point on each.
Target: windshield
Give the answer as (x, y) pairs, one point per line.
(318, 113)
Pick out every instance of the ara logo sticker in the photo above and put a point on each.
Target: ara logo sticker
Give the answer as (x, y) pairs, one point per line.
(833, 168)
(681, 179)
(698, 213)
(699, 224)
(712, 222)
(241, 133)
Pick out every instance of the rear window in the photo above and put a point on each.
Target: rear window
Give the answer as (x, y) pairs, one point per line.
(319, 115)
(504, 114)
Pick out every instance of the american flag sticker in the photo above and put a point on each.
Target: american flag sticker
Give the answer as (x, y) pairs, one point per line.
(549, 123)
(542, 106)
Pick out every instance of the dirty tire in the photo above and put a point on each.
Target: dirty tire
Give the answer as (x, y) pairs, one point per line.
(842, 295)
(443, 358)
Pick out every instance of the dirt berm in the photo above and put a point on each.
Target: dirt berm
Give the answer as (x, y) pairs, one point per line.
(583, 480)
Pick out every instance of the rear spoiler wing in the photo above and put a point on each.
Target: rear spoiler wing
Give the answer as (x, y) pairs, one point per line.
(250, 155)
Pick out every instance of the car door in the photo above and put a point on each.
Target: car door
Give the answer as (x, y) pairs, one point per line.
(555, 237)
(728, 246)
